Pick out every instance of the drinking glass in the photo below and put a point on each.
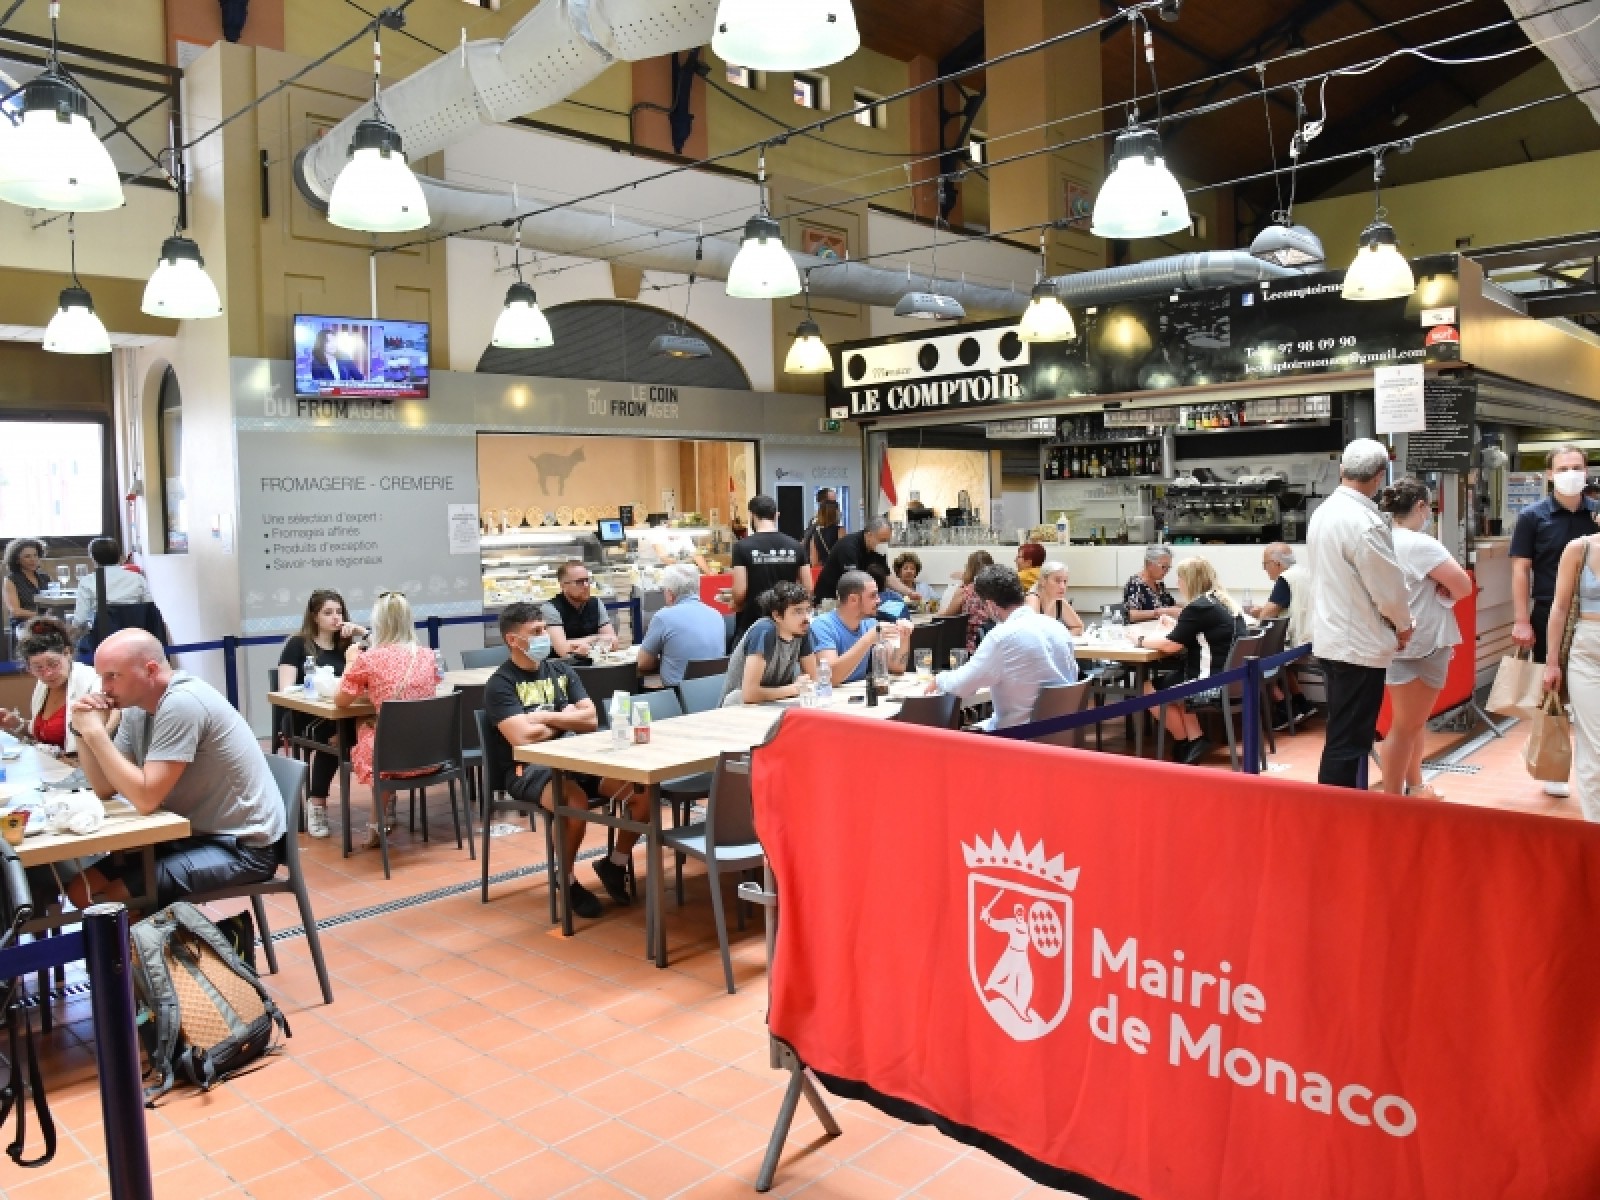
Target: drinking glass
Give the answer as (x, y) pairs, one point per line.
(64, 575)
(924, 662)
(83, 572)
(958, 659)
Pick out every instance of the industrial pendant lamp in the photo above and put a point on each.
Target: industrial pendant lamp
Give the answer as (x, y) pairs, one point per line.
(683, 343)
(180, 287)
(763, 269)
(52, 159)
(521, 325)
(75, 329)
(809, 354)
(795, 35)
(376, 191)
(1046, 318)
(1379, 271)
(1140, 198)
(929, 305)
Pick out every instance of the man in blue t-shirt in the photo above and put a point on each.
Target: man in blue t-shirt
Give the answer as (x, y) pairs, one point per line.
(844, 637)
(686, 630)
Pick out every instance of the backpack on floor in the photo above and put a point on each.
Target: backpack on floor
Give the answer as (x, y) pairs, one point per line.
(203, 1012)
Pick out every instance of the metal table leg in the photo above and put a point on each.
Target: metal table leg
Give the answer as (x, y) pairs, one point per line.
(558, 787)
(655, 903)
(347, 737)
(1140, 673)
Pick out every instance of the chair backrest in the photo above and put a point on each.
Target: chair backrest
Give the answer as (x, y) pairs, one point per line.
(282, 718)
(1243, 648)
(700, 668)
(938, 712)
(927, 637)
(663, 704)
(414, 735)
(290, 775)
(730, 631)
(471, 702)
(730, 814)
(491, 778)
(1062, 700)
(700, 695)
(601, 682)
(952, 636)
(1274, 634)
(489, 656)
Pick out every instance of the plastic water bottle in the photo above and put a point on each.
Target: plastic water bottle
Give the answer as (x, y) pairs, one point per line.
(438, 666)
(641, 722)
(308, 670)
(824, 684)
(621, 720)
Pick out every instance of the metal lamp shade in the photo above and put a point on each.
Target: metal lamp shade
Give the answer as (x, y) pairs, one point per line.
(1046, 318)
(53, 160)
(522, 325)
(1379, 271)
(1140, 198)
(180, 287)
(75, 329)
(809, 355)
(762, 270)
(795, 35)
(376, 191)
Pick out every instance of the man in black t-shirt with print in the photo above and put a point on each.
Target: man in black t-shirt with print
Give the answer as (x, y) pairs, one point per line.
(534, 698)
(764, 558)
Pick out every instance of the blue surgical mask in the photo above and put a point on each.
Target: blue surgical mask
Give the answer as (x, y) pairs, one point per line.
(539, 647)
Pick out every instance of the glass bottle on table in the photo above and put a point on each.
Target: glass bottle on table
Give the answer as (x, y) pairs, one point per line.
(824, 684)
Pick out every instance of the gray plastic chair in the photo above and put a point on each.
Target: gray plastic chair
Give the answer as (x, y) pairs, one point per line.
(700, 695)
(290, 776)
(725, 841)
(489, 656)
(1231, 695)
(1276, 633)
(600, 682)
(419, 735)
(1063, 700)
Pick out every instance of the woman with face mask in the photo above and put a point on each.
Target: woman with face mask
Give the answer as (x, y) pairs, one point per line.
(395, 668)
(1578, 582)
(1435, 583)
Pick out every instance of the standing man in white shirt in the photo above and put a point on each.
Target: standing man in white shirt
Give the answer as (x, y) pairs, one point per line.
(1361, 617)
(122, 585)
(1023, 653)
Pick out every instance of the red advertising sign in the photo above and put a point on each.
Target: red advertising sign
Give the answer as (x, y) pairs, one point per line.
(1136, 979)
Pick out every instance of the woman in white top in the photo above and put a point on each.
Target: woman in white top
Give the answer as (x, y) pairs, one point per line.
(1435, 583)
(1049, 597)
(122, 585)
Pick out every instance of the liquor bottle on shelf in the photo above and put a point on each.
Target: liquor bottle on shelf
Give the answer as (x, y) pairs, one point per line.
(1094, 464)
(1077, 465)
(1052, 465)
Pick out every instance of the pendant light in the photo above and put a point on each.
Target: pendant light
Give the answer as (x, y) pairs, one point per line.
(1140, 198)
(52, 159)
(180, 287)
(763, 268)
(1046, 318)
(521, 325)
(929, 305)
(795, 35)
(75, 329)
(1379, 271)
(683, 343)
(376, 191)
(809, 354)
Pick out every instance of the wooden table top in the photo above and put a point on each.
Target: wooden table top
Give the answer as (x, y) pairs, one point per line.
(687, 744)
(479, 676)
(1125, 652)
(64, 600)
(124, 828)
(300, 702)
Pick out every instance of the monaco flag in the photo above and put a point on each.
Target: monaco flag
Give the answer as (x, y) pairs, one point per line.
(886, 478)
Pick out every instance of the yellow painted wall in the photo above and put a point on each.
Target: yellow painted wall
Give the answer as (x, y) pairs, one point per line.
(136, 28)
(1508, 204)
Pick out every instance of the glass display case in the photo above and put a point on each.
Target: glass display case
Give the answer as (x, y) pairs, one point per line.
(522, 563)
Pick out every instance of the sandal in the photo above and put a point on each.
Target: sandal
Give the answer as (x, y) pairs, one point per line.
(1424, 791)
(372, 839)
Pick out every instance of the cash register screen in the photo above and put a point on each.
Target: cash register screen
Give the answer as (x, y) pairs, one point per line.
(611, 533)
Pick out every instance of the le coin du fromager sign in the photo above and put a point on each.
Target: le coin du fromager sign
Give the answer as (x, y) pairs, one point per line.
(1287, 328)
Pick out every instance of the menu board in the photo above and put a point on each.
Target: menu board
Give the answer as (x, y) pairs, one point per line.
(1450, 406)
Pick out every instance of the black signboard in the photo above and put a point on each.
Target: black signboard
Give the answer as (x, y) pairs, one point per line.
(1286, 329)
(1450, 403)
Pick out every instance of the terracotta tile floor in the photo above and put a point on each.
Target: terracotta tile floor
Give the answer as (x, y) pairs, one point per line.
(472, 1051)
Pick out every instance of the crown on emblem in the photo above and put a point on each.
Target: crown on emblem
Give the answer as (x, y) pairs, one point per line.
(996, 853)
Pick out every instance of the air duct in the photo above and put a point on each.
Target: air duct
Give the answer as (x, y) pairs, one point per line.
(1180, 273)
(1576, 57)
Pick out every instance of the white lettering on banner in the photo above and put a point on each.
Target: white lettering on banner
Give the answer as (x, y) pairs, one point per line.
(1009, 991)
(318, 409)
(937, 393)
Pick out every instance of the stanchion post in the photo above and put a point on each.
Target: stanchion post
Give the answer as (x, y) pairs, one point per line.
(116, 1048)
(230, 668)
(1250, 715)
(433, 633)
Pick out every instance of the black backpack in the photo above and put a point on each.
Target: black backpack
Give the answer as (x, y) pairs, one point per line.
(203, 1012)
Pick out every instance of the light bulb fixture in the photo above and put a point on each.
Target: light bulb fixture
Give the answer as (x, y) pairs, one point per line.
(929, 306)
(797, 35)
(677, 345)
(1141, 197)
(809, 354)
(763, 268)
(75, 328)
(180, 287)
(1379, 271)
(1287, 245)
(376, 191)
(521, 325)
(52, 159)
(1046, 318)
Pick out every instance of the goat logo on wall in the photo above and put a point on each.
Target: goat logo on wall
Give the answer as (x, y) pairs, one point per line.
(557, 467)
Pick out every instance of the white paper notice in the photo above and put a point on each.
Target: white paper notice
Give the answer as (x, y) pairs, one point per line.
(463, 528)
(1398, 400)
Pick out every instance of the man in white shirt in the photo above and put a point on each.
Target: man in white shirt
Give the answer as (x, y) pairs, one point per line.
(1360, 619)
(122, 585)
(1021, 654)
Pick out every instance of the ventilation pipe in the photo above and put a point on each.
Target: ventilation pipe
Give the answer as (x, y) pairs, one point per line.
(1576, 57)
(562, 45)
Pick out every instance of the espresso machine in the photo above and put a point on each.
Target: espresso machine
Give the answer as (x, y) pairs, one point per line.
(1249, 509)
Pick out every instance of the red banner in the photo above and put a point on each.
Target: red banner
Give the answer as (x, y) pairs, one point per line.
(1134, 978)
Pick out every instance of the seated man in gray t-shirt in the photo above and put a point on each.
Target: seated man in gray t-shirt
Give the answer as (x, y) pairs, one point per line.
(182, 747)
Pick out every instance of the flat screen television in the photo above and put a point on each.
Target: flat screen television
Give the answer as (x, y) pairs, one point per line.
(368, 357)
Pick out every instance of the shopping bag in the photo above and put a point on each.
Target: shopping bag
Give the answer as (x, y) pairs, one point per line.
(1518, 689)
(1548, 753)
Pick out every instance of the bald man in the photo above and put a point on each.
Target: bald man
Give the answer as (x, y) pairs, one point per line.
(182, 747)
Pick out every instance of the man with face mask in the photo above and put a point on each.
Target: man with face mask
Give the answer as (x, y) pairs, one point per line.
(534, 698)
(1024, 652)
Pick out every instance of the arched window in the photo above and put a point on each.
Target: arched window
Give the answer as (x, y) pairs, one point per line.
(169, 425)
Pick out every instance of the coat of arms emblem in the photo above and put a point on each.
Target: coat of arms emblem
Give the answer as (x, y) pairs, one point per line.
(1019, 934)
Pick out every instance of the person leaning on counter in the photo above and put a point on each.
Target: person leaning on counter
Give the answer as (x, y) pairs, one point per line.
(1145, 595)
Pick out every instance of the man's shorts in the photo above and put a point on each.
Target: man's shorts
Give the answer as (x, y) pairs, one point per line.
(526, 783)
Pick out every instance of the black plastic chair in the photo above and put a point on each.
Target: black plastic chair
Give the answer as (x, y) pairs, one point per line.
(1063, 700)
(600, 682)
(489, 656)
(929, 636)
(1228, 697)
(282, 719)
(730, 631)
(290, 776)
(937, 712)
(471, 743)
(419, 735)
(699, 668)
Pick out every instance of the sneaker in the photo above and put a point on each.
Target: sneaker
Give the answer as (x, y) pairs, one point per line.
(1302, 706)
(584, 902)
(1556, 789)
(1197, 750)
(615, 877)
(317, 820)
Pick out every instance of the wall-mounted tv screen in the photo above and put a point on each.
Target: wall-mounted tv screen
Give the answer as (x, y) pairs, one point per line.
(370, 357)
